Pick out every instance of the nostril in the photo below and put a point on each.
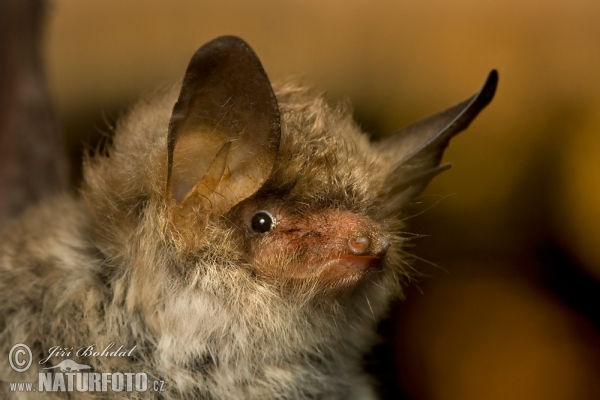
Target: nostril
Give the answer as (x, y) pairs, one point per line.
(359, 245)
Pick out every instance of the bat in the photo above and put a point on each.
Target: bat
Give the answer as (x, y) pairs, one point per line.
(239, 240)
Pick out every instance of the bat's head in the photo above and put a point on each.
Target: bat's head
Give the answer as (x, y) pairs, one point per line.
(310, 200)
(240, 186)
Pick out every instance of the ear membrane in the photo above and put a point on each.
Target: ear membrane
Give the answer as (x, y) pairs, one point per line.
(224, 132)
(415, 152)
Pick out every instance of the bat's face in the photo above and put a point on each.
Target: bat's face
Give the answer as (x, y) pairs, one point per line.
(310, 197)
(327, 247)
(314, 223)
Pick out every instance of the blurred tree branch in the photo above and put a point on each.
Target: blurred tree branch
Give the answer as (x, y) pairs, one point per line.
(32, 155)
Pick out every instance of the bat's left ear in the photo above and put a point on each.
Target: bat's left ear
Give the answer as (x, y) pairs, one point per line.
(224, 132)
(416, 151)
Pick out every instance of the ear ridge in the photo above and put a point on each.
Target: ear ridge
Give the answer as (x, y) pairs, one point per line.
(206, 188)
(203, 200)
(225, 121)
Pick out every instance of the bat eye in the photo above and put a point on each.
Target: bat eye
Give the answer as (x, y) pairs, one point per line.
(263, 222)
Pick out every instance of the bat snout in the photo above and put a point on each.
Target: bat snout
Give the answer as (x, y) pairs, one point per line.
(365, 252)
(331, 247)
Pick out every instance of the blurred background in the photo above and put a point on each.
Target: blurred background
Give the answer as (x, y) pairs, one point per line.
(507, 304)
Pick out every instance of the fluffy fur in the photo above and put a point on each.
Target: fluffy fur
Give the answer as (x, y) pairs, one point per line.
(109, 266)
(159, 252)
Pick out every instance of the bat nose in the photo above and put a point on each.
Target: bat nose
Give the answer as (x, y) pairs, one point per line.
(362, 245)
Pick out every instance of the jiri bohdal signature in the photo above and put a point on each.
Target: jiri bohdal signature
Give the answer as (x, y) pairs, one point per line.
(89, 351)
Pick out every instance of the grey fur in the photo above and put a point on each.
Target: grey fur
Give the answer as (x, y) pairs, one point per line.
(113, 265)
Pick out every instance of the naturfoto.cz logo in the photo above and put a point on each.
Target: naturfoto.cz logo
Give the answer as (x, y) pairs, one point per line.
(70, 376)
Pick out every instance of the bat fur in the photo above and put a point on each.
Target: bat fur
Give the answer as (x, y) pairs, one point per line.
(214, 309)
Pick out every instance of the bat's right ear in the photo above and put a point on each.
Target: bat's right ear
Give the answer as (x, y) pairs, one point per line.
(224, 132)
(416, 151)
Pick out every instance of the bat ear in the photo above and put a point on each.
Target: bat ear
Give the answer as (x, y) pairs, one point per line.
(416, 151)
(224, 132)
